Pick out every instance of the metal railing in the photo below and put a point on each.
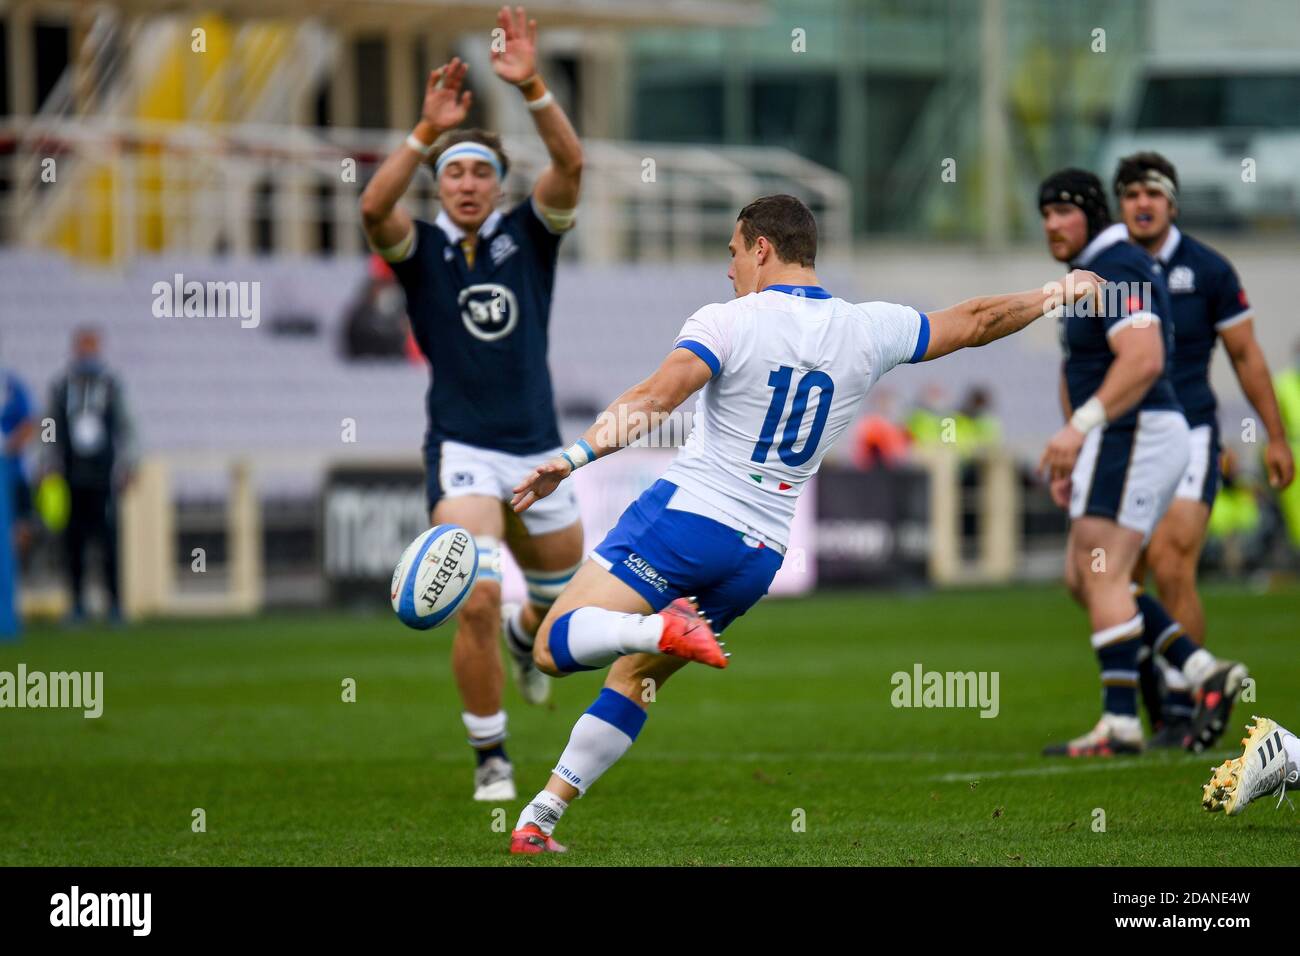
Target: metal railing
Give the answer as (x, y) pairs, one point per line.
(131, 186)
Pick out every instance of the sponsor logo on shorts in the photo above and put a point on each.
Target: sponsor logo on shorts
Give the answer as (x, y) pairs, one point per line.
(459, 479)
(642, 569)
(1140, 502)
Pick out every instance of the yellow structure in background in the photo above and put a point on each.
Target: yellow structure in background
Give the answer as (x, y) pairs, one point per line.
(210, 72)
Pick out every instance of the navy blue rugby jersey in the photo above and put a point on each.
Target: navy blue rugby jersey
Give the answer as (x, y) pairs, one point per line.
(1207, 298)
(1085, 332)
(484, 329)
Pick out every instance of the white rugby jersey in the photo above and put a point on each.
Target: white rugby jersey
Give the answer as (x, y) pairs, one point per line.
(791, 365)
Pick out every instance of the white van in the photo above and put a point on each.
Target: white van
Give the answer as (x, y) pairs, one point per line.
(1231, 127)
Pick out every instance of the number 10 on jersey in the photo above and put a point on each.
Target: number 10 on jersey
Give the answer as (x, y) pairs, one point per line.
(779, 382)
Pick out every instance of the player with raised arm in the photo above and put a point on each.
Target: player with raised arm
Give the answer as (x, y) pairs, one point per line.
(1208, 304)
(783, 368)
(1118, 460)
(478, 285)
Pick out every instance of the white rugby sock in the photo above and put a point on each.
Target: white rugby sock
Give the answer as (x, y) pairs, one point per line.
(592, 637)
(1175, 680)
(1291, 743)
(1199, 666)
(600, 737)
(484, 732)
(544, 812)
(1124, 726)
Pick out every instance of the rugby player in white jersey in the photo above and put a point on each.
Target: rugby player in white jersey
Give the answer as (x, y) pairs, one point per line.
(783, 367)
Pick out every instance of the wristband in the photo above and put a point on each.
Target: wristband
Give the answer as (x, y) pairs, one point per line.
(424, 149)
(1089, 415)
(543, 101)
(578, 454)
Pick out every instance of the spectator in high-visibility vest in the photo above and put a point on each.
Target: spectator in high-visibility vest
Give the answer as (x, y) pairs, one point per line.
(1236, 507)
(926, 421)
(1234, 524)
(977, 427)
(1287, 386)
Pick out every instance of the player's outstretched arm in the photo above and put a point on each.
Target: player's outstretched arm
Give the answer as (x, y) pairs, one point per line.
(637, 412)
(446, 104)
(986, 319)
(515, 61)
(1251, 368)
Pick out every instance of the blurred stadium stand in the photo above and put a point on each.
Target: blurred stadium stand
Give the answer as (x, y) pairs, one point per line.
(245, 165)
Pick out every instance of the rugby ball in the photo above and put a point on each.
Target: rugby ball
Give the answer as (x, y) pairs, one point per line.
(435, 573)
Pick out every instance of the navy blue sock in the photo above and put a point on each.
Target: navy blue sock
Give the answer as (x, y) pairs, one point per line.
(1117, 651)
(1163, 634)
(496, 750)
(1149, 683)
(1119, 677)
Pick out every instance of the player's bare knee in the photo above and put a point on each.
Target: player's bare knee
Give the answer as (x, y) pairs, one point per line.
(542, 658)
(545, 663)
(481, 612)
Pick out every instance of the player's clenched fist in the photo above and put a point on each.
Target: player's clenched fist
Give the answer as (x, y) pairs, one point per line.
(1080, 283)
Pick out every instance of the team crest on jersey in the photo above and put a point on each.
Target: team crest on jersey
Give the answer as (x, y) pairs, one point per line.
(502, 248)
(489, 310)
(1182, 279)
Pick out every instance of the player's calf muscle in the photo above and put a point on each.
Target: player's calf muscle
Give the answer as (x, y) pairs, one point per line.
(639, 677)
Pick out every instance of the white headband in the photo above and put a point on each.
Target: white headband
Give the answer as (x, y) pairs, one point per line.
(473, 151)
(1153, 177)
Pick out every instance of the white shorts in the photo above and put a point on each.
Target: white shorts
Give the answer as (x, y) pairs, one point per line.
(1129, 473)
(1200, 482)
(455, 469)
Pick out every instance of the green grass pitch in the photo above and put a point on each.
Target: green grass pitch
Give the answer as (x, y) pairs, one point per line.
(245, 719)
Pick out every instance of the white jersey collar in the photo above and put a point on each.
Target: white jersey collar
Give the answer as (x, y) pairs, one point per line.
(1112, 234)
(454, 233)
(1171, 244)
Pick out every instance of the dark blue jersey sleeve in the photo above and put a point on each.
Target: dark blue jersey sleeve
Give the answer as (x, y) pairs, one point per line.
(422, 277)
(1128, 294)
(1228, 302)
(544, 244)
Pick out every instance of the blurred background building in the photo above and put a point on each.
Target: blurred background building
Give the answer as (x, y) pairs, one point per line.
(229, 142)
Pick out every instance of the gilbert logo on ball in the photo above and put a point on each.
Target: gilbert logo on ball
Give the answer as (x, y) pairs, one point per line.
(435, 573)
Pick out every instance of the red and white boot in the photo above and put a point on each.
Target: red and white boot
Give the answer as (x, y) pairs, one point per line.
(530, 839)
(688, 634)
